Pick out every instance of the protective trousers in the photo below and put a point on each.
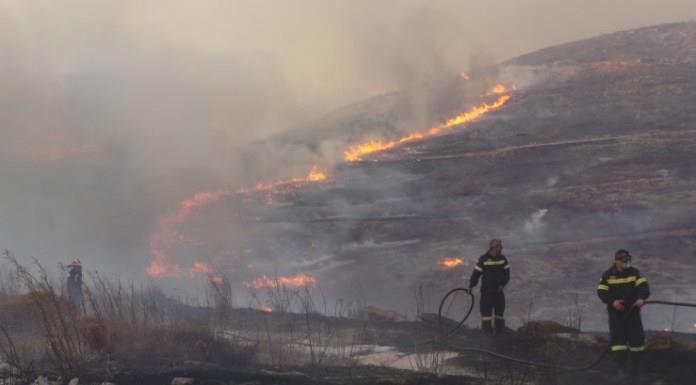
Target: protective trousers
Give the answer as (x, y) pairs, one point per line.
(627, 337)
(492, 308)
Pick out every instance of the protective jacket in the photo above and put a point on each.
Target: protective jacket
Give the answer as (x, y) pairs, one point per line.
(626, 326)
(493, 271)
(627, 285)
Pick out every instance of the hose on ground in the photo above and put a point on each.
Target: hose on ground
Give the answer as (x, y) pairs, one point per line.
(472, 301)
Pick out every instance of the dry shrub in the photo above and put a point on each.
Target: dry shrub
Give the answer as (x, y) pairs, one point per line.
(119, 321)
(18, 313)
(68, 349)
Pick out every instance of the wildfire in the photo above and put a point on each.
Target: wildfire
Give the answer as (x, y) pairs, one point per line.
(316, 175)
(357, 151)
(298, 280)
(167, 236)
(450, 262)
(498, 89)
(200, 267)
(267, 309)
(217, 280)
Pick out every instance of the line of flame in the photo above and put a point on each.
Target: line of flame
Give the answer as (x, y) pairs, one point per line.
(167, 235)
(358, 151)
(298, 280)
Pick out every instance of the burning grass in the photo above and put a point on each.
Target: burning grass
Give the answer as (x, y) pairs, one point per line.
(298, 280)
(358, 151)
(167, 235)
(450, 262)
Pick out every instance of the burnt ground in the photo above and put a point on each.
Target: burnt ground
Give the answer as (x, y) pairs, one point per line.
(557, 348)
(593, 153)
(246, 346)
(665, 362)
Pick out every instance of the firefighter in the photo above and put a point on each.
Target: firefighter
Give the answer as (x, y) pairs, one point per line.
(624, 290)
(74, 283)
(494, 270)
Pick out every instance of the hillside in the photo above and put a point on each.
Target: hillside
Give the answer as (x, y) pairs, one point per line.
(593, 152)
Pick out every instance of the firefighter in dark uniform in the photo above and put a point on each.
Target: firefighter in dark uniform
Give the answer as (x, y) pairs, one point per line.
(494, 271)
(74, 283)
(624, 290)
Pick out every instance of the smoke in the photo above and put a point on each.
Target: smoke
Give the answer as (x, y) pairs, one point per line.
(551, 181)
(413, 47)
(534, 225)
(106, 125)
(113, 112)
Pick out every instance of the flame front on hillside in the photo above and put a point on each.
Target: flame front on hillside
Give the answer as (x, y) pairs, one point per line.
(167, 235)
(358, 151)
(450, 262)
(299, 280)
(316, 175)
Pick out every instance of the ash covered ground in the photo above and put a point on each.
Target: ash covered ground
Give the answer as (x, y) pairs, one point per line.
(593, 152)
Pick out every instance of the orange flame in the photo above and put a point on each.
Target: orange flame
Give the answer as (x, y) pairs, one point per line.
(298, 280)
(267, 309)
(463, 75)
(357, 151)
(450, 262)
(199, 268)
(498, 89)
(316, 175)
(167, 236)
(216, 279)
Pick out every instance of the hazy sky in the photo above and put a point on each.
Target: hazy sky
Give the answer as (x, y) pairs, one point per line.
(112, 111)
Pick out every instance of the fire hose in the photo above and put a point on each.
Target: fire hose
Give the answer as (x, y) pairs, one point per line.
(459, 348)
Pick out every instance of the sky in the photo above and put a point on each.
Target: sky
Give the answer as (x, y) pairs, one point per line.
(111, 112)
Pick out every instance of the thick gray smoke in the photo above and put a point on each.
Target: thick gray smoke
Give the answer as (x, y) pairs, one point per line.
(106, 126)
(112, 112)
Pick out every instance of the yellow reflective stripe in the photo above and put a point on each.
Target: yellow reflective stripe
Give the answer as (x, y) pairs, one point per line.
(486, 318)
(493, 263)
(602, 287)
(618, 281)
(506, 267)
(618, 348)
(477, 268)
(641, 280)
(498, 317)
(636, 348)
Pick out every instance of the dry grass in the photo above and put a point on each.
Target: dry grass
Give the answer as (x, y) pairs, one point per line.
(67, 345)
(298, 332)
(115, 321)
(123, 322)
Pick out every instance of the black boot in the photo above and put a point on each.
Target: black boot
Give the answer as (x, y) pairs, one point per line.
(620, 357)
(487, 326)
(500, 325)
